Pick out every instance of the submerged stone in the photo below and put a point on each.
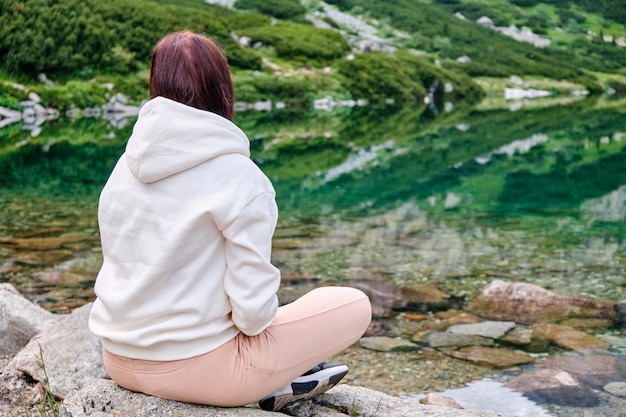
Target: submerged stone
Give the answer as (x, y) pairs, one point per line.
(453, 317)
(616, 388)
(568, 337)
(489, 328)
(45, 243)
(595, 370)
(594, 326)
(554, 387)
(528, 303)
(49, 257)
(387, 344)
(387, 298)
(522, 336)
(491, 357)
(436, 339)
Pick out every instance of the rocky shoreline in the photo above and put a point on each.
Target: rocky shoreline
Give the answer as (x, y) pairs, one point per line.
(506, 325)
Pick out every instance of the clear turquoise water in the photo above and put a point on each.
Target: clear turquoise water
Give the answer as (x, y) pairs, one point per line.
(457, 200)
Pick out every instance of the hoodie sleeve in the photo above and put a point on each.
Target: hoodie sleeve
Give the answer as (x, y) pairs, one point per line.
(251, 280)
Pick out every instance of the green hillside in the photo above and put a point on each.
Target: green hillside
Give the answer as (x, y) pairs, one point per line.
(297, 51)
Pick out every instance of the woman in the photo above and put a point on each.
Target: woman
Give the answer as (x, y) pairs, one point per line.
(186, 297)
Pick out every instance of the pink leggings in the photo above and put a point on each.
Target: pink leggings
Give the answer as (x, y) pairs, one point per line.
(244, 370)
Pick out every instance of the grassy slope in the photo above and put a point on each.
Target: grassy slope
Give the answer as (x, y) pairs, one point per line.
(431, 29)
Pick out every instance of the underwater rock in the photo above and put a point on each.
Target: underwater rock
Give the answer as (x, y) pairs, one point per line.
(523, 337)
(48, 257)
(555, 387)
(436, 339)
(616, 388)
(387, 298)
(593, 369)
(528, 303)
(491, 357)
(568, 338)
(45, 243)
(489, 328)
(387, 344)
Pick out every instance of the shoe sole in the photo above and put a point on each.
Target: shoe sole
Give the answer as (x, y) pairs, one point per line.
(304, 387)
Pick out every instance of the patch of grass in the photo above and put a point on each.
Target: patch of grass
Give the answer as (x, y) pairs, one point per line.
(355, 406)
(48, 405)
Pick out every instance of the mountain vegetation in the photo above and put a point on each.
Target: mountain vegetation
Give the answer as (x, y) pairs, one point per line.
(293, 51)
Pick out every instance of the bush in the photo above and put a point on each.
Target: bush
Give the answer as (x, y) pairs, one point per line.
(294, 41)
(11, 96)
(281, 9)
(80, 93)
(296, 91)
(65, 37)
(404, 77)
(377, 76)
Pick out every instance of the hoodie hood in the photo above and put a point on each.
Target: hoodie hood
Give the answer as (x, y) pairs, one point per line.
(170, 137)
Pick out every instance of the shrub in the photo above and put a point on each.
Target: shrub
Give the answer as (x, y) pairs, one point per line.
(281, 9)
(118, 35)
(80, 93)
(377, 76)
(11, 96)
(296, 91)
(295, 41)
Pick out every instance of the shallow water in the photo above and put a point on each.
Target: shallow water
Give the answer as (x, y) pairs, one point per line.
(537, 195)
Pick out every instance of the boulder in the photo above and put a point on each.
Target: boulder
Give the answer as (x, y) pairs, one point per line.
(569, 338)
(20, 320)
(67, 349)
(554, 386)
(64, 360)
(528, 303)
(104, 398)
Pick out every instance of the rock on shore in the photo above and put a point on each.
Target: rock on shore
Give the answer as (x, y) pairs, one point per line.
(36, 344)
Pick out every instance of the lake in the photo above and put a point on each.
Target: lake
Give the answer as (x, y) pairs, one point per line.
(530, 191)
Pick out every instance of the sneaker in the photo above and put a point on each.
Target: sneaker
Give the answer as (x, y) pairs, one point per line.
(314, 382)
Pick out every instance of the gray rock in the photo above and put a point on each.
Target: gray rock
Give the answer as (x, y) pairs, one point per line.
(20, 320)
(437, 339)
(439, 401)
(363, 402)
(69, 352)
(489, 328)
(616, 388)
(104, 398)
(73, 363)
(96, 396)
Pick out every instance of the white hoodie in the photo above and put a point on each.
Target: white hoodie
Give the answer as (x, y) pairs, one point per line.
(186, 221)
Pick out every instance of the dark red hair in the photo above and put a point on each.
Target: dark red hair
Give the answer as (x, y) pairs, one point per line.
(192, 69)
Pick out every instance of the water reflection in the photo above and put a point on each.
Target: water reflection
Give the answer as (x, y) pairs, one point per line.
(388, 195)
(491, 395)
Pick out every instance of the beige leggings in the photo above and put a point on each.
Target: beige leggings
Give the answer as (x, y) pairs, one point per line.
(308, 331)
